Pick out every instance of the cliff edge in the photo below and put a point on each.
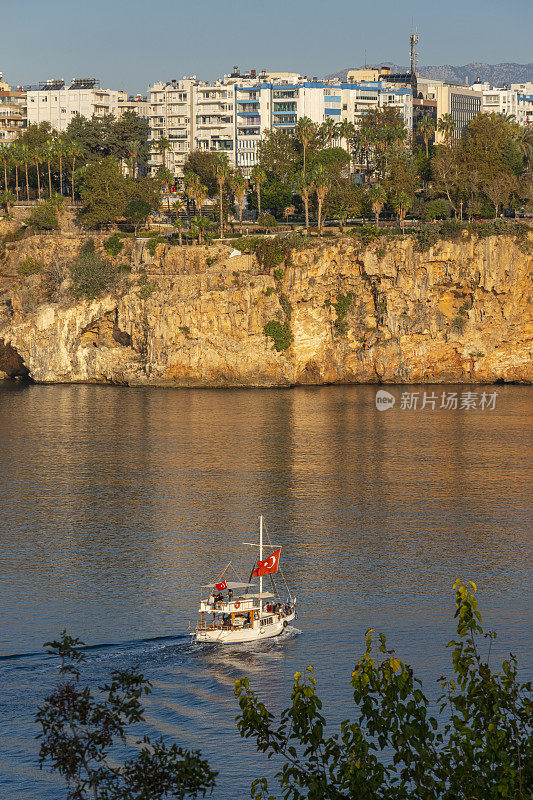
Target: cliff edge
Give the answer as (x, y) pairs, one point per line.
(335, 312)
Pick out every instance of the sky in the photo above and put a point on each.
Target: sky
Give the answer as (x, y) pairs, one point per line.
(129, 44)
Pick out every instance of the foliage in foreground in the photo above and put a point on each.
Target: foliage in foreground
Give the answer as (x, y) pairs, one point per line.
(81, 732)
(483, 750)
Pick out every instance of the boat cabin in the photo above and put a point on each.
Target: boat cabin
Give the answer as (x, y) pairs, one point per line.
(233, 611)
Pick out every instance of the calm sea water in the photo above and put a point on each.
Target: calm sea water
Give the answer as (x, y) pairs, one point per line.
(116, 504)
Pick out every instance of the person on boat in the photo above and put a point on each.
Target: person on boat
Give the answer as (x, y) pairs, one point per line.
(218, 598)
(230, 595)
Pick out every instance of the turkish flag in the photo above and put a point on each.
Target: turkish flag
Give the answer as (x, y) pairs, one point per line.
(221, 586)
(267, 566)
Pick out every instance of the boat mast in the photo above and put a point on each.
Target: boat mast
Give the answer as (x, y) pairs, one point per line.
(260, 559)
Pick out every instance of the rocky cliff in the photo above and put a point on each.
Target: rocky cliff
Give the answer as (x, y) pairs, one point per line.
(191, 316)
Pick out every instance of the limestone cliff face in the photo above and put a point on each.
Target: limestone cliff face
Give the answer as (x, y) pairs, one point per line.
(460, 312)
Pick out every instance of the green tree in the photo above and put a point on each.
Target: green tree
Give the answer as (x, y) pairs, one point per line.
(204, 164)
(481, 747)
(401, 203)
(239, 186)
(275, 196)
(81, 731)
(223, 174)
(377, 197)
(258, 179)
(279, 154)
(304, 186)
(104, 193)
(322, 183)
(5, 157)
(7, 198)
(195, 190)
(446, 125)
(25, 155)
(306, 131)
(347, 132)
(137, 212)
(328, 131)
(427, 128)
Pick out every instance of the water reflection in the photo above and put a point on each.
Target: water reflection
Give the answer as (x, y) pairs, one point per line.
(117, 504)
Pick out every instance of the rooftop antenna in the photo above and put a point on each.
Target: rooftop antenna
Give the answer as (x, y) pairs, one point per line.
(414, 56)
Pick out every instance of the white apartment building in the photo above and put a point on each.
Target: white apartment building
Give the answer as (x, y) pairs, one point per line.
(58, 104)
(515, 100)
(231, 115)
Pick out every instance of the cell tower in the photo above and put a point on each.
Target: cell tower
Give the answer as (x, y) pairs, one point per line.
(414, 56)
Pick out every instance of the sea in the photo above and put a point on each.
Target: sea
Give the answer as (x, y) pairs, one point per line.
(117, 504)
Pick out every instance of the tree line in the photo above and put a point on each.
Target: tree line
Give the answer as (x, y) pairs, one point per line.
(480, 173)
(339, 171)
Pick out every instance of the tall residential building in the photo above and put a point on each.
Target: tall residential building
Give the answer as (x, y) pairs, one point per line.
(461, 102)
(13, 118)
(58, 104)
(231, 115)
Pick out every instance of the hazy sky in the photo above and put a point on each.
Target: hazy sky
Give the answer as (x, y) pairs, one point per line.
(128, 44)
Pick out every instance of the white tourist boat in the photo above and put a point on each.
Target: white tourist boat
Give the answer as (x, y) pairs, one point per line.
(246, 613)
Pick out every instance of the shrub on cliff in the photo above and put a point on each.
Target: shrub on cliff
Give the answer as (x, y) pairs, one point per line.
(91, 273)
(44, 217)
(480, 746)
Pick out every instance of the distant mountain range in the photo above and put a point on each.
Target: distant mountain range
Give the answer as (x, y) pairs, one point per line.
(495, 74)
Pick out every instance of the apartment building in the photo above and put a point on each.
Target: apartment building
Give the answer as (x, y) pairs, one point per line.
(58, 104)
(461, 102)
(231, 115)
(515, 100)
(137, 104)
(13, 118)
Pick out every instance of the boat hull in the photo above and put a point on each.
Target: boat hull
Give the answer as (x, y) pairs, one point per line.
(224, 636)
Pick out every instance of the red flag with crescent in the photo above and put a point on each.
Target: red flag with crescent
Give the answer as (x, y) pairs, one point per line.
(268, 565)
(221, 586)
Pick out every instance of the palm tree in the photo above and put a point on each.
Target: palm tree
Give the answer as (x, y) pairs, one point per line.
(427, 129)
(179, 225)
(258, 178)
(5, 156)
(74, 152)
(16, 160)
(304, 186)
(329, 130)
(25, 157)
(322, 182)
(196, 190)
(60, 148)
(223, 172)
(37, 156)
(133, 152)
(162, 145)
(401, 204)
(239, 185)
(446, 125)
(289, 211)
(49, 152)
(525, 143)
(347, 132)
(377, 197)
(304, 131)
